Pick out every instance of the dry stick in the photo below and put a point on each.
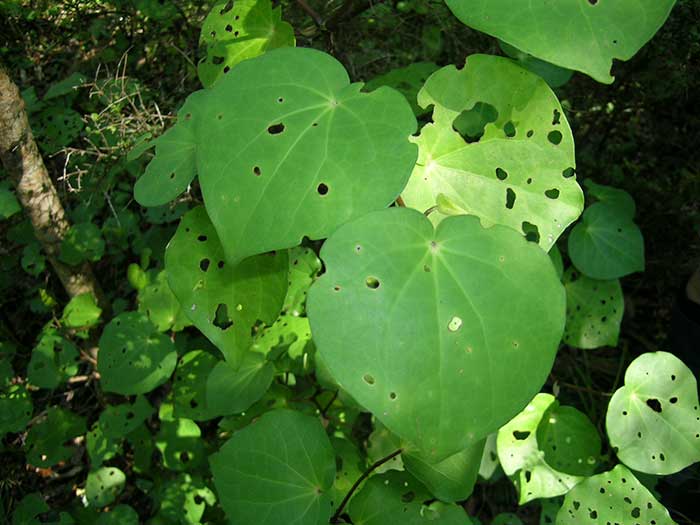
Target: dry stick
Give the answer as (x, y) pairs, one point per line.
(376, 464)
(20, 157)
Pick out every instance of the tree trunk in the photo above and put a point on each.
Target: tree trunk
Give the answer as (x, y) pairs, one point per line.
(35, 190)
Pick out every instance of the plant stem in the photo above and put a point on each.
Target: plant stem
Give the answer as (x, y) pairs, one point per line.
(376, 464)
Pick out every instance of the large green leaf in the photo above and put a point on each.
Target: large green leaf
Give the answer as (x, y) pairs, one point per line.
(426, 307)
(279, 469)
(519, 173)
(54, 360)
(235, 31)
(179, 441)
(593, 310)
(654, 420)
(134, 358)
(585, 35)
(48, 439)
(116, 421)
(81, 312)
(396, 498)
(615, 496)
(15, 409)
(224, 302)
(606, 244)
(190, 386)
(273, 153)
(451, 479)
(160, 305)
(521, 458)
(232, 391)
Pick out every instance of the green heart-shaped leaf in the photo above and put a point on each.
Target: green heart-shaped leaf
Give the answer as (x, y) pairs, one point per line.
(236, 31)
(606, 244)
(426, 308)
(190, 386)
(134, 357)
(615, 496)
(116, 421)
(224, 302)
(232, 391)
(521, 458)
(518, 173)
(593, 310)
(654, 420)
(179, 441)
(279, 469)
(585, 35)
(272, 141)
(54, 360)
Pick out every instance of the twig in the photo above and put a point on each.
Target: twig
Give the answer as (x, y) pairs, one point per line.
(376, 464)
(311, 12)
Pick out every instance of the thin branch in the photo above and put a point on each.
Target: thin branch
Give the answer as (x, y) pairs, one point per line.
(376, 464)
(311, 12)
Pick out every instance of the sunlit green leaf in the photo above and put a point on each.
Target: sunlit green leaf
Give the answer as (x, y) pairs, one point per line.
(189, 389)
(232, 391)
(104, 485)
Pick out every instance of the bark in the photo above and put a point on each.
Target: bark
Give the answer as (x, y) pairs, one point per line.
(35, 190)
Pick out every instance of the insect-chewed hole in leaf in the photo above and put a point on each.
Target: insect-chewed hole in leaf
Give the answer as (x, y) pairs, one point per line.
(184, 457)
(568, 173)
(470, 123)
(426, 268)
(555, 137)
(226, 8)
(654, 404)
(280, 100)
(530, 133)
(202, 238)
(358, 248)
(221, 318)
(501, 174)
(552, 194)
(509, 129)
(227, 69)
(193, 403)
(673, 400)
(510, 198)
(172, 175)
(531, 231)
(220, 265)
(528, 476)
(204, 264)
(368, 378)
(392, 395)
(454, 324)
(593, 2)
(520, 435)
(556, 117)
(372, 283)
(322, 189)
(408, 497)
(336, 288)
(228, 28)
(217, 61)
(275, 129)
(256, 170)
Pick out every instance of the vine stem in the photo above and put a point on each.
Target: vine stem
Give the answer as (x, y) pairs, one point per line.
(376, 464)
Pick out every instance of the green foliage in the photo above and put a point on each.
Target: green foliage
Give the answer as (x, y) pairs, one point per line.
(104, 485)
(54, 360)
(654, 420)
(582, 35)
(81, 312)
(236, 31)
(516, 174)
(233, 391)
(289, 479)
(46, 439)
(615, 496)
(438, 329)
(83, 242)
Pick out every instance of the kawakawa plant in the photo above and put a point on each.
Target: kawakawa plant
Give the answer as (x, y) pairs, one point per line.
(437, 301)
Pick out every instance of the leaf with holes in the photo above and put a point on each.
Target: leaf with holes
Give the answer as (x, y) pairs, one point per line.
(569, 440)
(116, 421)
(518, 173)
(273, 156)
(451, 479)
(654, 420)
(134, 358)
(104, 485)
(442, 295)
(521, 458)
(289, 478)
(489, 458)
(119, 515)
(606, 244)
(349, 467)
(396, 498)
(232, 391)
(289, 339)
(183, 500)
(48, 439)
(189, 390)
(54, 360)
(615, 496)
(179, 441)
(304, 267)
(584, 35)
(224, 302)
(236, 31)
(15, 409)
(99, 447)
(160, 305)
(593, 310)
(406, 80)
